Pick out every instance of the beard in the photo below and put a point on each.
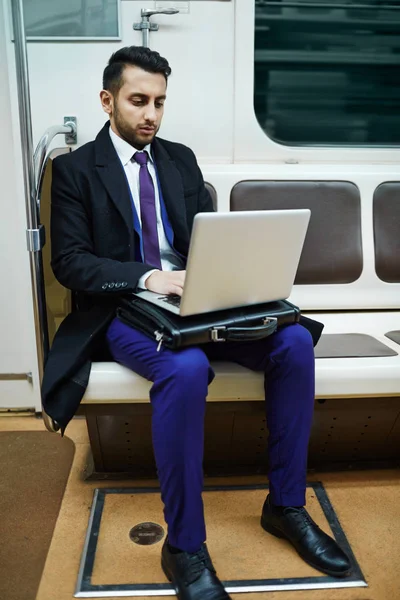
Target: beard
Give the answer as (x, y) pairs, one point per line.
(130, 135)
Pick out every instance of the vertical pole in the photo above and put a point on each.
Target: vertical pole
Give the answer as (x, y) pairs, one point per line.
(146, 33)
(32, 215)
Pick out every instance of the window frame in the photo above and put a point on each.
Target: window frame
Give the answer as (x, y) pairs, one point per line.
(251, 143)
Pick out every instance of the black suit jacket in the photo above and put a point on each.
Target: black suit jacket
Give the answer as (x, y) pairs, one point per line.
(93, 240)
(93, 250)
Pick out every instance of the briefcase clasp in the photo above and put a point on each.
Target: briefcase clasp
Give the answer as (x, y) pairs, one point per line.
(215, 334)
(268, 320)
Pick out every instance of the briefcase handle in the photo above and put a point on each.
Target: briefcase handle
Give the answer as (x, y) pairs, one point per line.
(244, 334)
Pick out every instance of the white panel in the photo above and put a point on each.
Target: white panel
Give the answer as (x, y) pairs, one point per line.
(209, 108)
(65, 77)
(17, 346)
(251, 143)
(18, 394)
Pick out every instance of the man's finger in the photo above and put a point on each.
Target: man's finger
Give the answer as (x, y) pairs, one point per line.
(175, 289)
(177, 282)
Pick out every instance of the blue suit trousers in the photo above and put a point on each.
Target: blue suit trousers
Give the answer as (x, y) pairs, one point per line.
(178, 397)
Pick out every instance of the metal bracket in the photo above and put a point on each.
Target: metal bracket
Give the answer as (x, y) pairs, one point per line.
(145, 25)
(35, 239)
(71, 138)
(16, 377)
(215, 334)
(268, 320)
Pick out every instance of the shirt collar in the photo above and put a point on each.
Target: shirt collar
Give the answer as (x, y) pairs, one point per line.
(125, 150)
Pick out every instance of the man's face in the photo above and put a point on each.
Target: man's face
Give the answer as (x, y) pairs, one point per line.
(136, 112)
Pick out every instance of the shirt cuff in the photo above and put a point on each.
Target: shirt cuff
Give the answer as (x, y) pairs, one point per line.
(143, 279)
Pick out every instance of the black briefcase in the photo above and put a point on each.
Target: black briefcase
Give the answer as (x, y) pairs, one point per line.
(244, 324)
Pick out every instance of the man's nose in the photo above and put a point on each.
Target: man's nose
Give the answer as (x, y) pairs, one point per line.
(150, 113)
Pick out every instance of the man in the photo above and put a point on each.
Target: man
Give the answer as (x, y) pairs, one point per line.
(122, 213)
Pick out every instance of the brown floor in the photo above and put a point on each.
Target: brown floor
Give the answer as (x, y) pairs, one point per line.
(367, 505)
(34, 472)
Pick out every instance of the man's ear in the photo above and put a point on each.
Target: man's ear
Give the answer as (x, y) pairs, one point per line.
(107, 101)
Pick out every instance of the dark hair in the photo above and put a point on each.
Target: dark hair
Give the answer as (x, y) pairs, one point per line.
(137, 56)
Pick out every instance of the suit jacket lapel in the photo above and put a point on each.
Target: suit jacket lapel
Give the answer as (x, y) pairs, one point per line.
(172, 190)
(112, 175)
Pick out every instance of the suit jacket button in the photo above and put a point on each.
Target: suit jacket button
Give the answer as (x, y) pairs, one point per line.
(104, 286)
(118, 285)
(111, 285)
(124, 284)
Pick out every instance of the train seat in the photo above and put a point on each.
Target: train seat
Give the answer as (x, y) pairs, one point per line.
(371, 367)
(354, 356)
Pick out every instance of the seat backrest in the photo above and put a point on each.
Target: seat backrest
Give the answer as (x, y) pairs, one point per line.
(58, 298)
(213, 193)
(332, 251)
(386, 213)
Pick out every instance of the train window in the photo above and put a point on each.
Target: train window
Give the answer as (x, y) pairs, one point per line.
(75, 19)
(326, 71)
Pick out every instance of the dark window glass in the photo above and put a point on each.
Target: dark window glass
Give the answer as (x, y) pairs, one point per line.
(71, 18)
(327, 71)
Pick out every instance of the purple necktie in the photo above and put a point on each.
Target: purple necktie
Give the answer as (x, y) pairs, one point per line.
(148, 214)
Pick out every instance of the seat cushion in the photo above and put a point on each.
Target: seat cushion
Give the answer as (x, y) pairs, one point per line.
(394, 336)
(111, 382)
(351, 345)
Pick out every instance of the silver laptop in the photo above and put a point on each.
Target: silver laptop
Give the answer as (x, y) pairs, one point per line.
(238, 259)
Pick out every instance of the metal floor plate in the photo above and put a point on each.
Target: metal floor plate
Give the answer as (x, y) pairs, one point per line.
(86, 589)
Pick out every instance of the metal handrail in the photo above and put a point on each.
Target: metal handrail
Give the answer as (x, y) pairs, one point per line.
(145, 26)
(33, 170)
(36, 241)
(42, 154)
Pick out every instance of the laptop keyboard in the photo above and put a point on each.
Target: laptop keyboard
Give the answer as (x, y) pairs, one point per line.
(173, 299)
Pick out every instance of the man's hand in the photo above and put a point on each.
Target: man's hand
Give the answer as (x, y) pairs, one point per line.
(166, 282)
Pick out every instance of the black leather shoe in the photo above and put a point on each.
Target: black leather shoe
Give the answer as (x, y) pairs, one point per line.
(192, 575)
(312, 544)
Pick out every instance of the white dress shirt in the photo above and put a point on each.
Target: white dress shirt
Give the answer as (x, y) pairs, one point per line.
(170, 261)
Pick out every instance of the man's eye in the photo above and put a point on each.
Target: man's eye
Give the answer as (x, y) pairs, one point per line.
(159, 104)
(137, 102)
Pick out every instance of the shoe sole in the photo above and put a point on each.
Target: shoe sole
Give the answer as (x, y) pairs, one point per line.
(166, 572)
(278, 533)
(169, 577)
